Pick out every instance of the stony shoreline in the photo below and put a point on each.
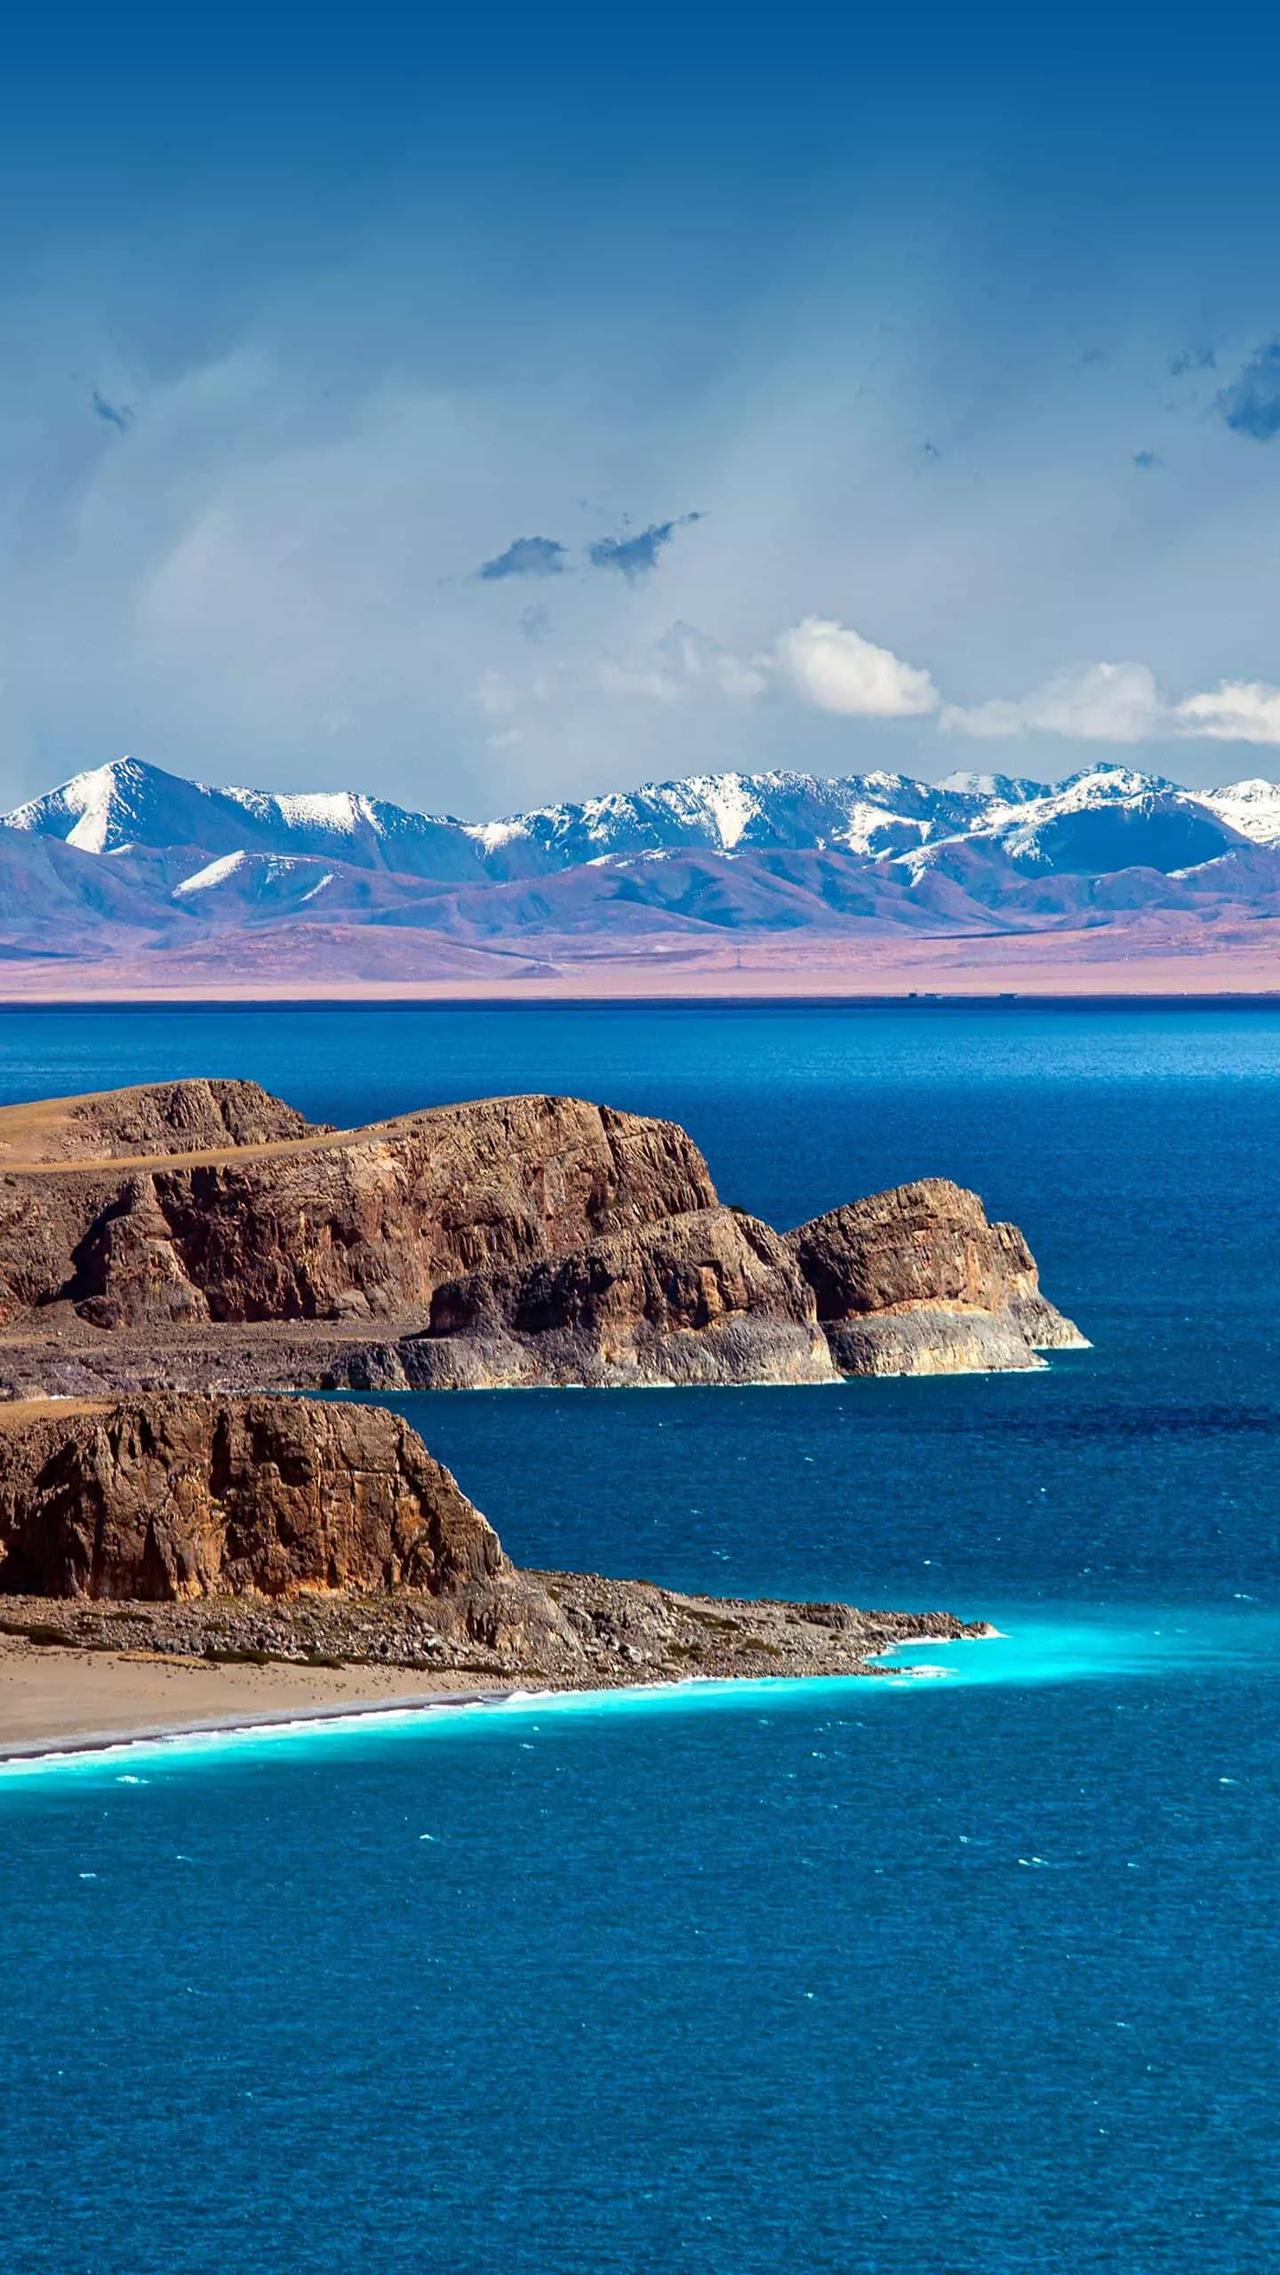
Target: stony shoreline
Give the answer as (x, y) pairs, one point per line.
(614, 1633)
(232, 1544)
(105, 1676)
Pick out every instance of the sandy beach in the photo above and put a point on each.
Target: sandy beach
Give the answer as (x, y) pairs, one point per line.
(52, 1700)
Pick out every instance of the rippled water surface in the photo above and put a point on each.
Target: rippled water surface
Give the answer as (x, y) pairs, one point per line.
(979, 1971)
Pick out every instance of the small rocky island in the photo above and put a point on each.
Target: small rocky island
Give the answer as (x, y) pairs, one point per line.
(202, 1235)
(261, 1529)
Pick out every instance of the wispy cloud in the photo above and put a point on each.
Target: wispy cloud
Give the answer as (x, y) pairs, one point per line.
(1110, 703)
(526, 557)
(822, 665)
(637, 555)
(1191, 359)
(117, 415)
(1251, 404)
(1237, 710)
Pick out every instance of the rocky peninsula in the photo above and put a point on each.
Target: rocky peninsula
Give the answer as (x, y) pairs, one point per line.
(175, 1257)
(258, 1533)
(203, 1235)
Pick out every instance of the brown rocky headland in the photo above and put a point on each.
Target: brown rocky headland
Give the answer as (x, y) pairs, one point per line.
(259, 1531)
(203, 1235)
(174, 1256)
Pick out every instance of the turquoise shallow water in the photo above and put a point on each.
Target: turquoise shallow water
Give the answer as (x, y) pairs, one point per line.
(981, 1968)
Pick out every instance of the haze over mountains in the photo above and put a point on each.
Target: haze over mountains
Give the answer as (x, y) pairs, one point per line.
(141, 875)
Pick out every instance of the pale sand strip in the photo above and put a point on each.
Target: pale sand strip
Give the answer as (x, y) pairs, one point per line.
(1112, 962)
(54, 1701)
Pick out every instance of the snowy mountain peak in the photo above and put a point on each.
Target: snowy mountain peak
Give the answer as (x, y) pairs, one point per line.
(94, 809)
(1102, 784)
(996, 789)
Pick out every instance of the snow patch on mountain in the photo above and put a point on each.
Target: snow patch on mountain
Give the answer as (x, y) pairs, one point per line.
(1251, 807)
(728, 804)
(213, 874)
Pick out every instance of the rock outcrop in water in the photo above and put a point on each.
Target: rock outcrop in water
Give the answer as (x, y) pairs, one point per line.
(204, 1235)
(708, 1296)
(235, 1527)
(916, 1281)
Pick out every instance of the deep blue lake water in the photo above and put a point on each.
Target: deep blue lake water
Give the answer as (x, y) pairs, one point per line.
(976, 1974)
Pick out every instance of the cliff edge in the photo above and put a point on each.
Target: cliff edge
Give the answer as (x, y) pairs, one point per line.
(204, 1235)
(250, 1528)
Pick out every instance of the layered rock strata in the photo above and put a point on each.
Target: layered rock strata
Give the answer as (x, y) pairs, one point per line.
(287, 1528)
(344, 1225)
(709, 1296)
(203, 1235)
(916, 1281)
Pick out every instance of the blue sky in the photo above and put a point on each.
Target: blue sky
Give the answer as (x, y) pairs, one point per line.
(481, 411)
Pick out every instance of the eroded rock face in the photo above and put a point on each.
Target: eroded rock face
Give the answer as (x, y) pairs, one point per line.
(710, 1296)
(167, 1497)
(512, 1240)
(924, 1243)
(917, 1281)
(355, 1224)
(128, 1271)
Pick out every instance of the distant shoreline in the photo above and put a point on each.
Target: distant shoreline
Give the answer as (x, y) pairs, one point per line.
(428, 996)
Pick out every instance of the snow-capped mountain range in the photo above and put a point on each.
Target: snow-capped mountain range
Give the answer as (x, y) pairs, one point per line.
(124, 805)
(128, 858)
(128, 804)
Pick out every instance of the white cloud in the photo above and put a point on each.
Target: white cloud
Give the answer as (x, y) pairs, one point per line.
(1103, 703)
(822, 665)
(1236, 711)
(1121, 703)
(834, 669)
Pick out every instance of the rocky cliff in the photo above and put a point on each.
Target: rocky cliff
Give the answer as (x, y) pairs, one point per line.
(204, 1234)
(168, 1497)
(326, 1224)
(237, 1528)
(916, 1281)
(707, 1296)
